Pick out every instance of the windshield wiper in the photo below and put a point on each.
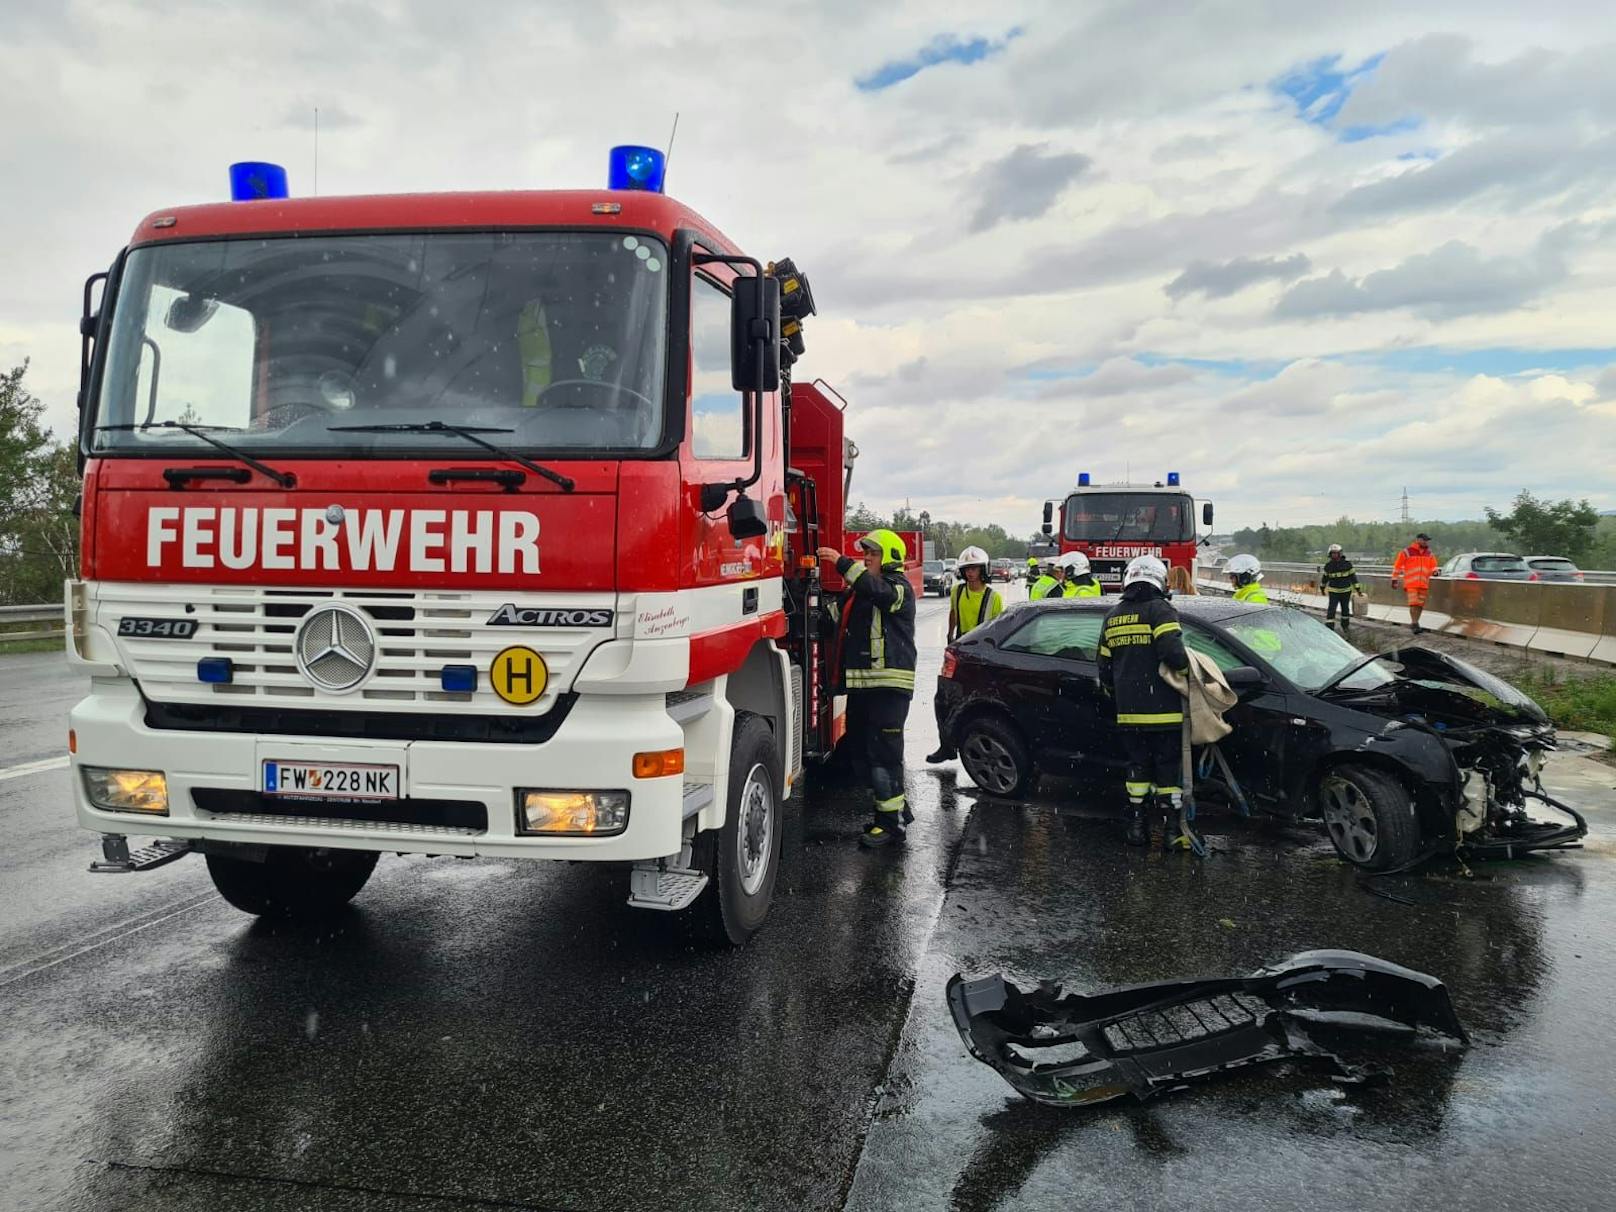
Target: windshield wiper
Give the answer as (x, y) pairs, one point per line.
(1352, 669)
(468, 432)
(284, 478)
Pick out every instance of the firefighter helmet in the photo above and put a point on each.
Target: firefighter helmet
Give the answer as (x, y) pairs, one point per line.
(1335, 548)
(888, 545)
(1244, 569)
(1148, 569)
(973, 555)
(1075, 563)
(1032, 561)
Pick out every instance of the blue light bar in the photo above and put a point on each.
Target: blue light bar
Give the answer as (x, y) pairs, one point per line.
(1082, 479)
(254, 180)
(458, 679)
(1172, 479)
(216, 671)
(631, 167)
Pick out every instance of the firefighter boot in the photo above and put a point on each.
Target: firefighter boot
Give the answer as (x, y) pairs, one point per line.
(891, 816)
(1138, 826)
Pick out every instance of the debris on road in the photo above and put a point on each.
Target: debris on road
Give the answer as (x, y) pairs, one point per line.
(1147, 1040)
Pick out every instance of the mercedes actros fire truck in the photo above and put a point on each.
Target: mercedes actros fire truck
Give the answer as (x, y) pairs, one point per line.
(452, 524)
(1114, 523)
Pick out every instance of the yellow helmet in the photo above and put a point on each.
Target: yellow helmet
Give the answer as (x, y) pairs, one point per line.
(890, 546)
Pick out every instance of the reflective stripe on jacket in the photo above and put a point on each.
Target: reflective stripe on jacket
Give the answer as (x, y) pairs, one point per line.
(1338, 576)
(1414, 568)
(1140, 636)
(879, 652)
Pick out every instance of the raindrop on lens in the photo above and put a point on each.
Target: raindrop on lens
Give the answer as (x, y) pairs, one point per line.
(630, 242)
(642, 252)
(652, 264)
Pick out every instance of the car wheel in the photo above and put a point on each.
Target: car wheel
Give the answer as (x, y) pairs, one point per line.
(742, 859)
(1370, 817)
(995, 756)
(292, 883)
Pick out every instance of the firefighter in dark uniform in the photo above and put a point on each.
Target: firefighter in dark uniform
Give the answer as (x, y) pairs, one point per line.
(1340, 583)
(1140, 635)
(878, 670)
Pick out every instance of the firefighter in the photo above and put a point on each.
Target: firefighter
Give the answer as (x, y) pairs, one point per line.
(1032, 571)
(1340, 583)
(1140, 635)
(878, 670)
(1079, 582)
(1245, 574)
(974, 602)
(1414, 568)
(1047, 583)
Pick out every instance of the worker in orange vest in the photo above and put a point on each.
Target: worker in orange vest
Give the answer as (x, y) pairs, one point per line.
(1414, 568)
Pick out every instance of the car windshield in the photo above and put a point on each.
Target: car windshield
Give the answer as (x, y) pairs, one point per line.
(1124, 517)
(559, 338)
(1498, 563)
(1303, 649)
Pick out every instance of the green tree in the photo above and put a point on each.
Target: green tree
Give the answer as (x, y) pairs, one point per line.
(39, 482)
(23, 442)
(1538, 527)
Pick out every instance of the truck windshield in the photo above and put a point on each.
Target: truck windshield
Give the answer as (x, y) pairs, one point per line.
(559, 339)
(1138, 517)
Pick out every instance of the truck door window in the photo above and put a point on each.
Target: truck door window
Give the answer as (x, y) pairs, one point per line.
(718, 414)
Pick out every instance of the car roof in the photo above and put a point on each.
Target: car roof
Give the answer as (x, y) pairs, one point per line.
(1190, 606)
(1492, 555)
(1563, 559)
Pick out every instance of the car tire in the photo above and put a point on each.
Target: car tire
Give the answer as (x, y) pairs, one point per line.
(293, 883)
(1369, 817)
(742, 859)
(994, 756)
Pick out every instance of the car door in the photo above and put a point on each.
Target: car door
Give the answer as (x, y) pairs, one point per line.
(1056, 678)
(1262, 720)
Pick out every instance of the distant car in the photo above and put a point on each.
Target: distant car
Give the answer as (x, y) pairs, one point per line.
(938, 577)
(1487, 566)
(1401, 755)
(1553, 568)
(1004, 570)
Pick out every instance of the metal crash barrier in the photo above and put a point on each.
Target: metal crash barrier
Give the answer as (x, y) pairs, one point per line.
(1565, 620)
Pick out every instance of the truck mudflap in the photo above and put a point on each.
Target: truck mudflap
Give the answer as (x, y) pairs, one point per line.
(1147, 1040)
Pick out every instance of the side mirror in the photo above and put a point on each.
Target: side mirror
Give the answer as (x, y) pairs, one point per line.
(1049, 517)
(1244, 677)
(1206, 513)
(746, 520)
(754, 335)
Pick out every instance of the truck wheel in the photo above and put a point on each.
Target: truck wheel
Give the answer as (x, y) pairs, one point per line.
(292, 883)
(743, 858)
(995, 756)
(1369, 816)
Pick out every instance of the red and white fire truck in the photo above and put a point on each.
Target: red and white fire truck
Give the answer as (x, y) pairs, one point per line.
(454, 524)
(1114, 523)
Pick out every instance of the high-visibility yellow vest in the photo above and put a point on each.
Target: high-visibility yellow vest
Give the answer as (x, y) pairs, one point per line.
(973, 609)
(1042, 586)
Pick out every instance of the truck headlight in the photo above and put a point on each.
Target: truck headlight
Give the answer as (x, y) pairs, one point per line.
(126, 790)
(571, 813)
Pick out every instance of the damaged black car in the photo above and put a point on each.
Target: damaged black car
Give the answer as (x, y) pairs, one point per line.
(1401, 755)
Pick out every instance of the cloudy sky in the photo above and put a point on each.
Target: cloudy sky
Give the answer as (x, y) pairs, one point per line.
(1305, 255)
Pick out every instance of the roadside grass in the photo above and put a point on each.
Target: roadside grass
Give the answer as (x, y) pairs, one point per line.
(48, 644)
(1577, 704)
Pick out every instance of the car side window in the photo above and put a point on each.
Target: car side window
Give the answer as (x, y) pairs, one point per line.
(1073, 635)
(717, 412)
(1197, 640)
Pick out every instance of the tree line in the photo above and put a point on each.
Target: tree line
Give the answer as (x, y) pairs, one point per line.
(949, 538)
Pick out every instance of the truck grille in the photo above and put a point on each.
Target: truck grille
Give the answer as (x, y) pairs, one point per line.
(417, 633)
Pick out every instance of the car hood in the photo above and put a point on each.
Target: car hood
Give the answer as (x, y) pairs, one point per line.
(1446, 686)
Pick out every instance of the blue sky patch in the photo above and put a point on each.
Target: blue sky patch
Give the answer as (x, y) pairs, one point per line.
(1500, 363)
(945, 48)
(1320, 88)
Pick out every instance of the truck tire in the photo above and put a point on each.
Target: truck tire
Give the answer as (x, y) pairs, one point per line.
(292, 883)
(1369, 816)
(994, 755)
(742, 859)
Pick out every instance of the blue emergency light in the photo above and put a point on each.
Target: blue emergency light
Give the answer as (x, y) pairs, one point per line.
(253, 180)
(1082, 479)
(217, 671)
(641, 168)
(458, 679)
(1172, 479)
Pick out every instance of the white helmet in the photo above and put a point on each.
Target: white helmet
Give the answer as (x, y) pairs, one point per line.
(1334, 547)
(1148, 569)
(973, 555)
(1075, 563)
(1244, 565)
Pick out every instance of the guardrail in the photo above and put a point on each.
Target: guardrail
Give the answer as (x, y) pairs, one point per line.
(1562, 619)
(1590, 576)
(50, 615)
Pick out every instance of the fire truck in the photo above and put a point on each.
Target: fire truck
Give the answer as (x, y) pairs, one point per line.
(475, 524)
(1114, 523)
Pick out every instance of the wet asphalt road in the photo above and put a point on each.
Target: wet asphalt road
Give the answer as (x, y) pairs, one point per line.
(492, 1034)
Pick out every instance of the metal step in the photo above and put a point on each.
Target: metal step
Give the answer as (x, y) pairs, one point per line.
(655, 886)
(697, 797)
(687, 705)
(120, 860)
